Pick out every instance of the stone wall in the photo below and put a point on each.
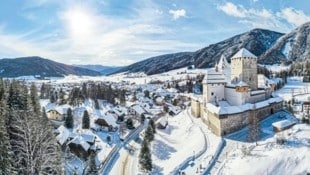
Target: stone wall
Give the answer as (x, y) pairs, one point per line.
(225, 124)
(195, 108)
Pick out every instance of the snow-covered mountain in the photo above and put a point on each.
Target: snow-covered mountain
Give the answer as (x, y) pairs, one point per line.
(33, 66)
(290, 47)
(257, 41)
(104, 70)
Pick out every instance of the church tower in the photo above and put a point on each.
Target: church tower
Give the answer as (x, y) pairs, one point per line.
(244, 68)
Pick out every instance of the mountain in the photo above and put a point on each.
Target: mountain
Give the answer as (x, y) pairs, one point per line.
(160, 64)
(104, 70)
(293, 46)
(25, 66)
(258, 41)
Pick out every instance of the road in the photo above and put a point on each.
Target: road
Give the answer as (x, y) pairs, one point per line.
(198, 158)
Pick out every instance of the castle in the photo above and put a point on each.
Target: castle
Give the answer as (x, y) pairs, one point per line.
(232, 92)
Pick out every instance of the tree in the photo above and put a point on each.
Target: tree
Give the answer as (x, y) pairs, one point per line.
(152, 124)
(149, 133)
(97, 104)
(69, 119)
(62, 99)
(85, 120)
(35, 148)
(129, 123)
(53, 97)
(145, 157)
(34, 99)
(147, 93)
(6, 154)
(254, 128)
(92, 167)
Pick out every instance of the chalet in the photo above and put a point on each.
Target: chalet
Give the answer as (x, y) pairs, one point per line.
(137, 110)
(79, 147)
(62, 135)
(58, 113)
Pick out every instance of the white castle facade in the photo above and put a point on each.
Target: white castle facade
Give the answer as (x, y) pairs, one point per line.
(232, 92)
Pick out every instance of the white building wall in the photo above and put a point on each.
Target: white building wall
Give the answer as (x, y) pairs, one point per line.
(214, 91)
(235, 98)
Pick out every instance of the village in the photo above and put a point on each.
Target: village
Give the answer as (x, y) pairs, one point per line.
(119, 108)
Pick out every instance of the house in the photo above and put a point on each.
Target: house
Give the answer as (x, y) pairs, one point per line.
(79, 147)
(306, 109)
(136, 110)
(163, 123)
(54, 115)
(58, 113)
(62, 136)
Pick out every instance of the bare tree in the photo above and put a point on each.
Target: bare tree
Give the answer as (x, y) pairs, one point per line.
(34, 145)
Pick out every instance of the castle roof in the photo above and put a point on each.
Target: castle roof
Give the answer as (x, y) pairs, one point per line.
(214, 76)
(244, 53)
(242, 84)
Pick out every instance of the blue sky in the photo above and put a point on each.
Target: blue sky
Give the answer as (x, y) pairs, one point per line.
(121, 32)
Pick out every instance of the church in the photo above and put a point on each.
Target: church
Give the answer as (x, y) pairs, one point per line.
(232, 93)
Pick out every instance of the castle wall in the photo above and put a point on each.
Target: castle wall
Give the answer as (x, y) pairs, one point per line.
(210, 91)
(195, 108)
(235, 98)
(225, 124)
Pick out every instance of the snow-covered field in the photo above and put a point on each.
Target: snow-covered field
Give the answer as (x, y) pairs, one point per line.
(293, 157)
(294, 87)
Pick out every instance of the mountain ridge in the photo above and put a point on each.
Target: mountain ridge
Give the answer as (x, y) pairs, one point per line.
(35, 65)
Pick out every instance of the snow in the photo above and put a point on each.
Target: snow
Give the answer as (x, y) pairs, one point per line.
(244, 53)
(225, 108)
(287, 49)
(270, 158)
(284, 123)
(63, 135)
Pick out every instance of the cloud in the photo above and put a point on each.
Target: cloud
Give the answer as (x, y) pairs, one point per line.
(103, 39)
(233, 10)
(293, 16)
(256, 18)
(176, 14)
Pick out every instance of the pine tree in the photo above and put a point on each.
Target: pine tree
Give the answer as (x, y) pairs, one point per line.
(152, 124)
(92, 167)
(85, 120)
(62, 99)
(149, 133)
(145, 157)
(34, 99)
(97, 104)
(69, 119)
(6, 154)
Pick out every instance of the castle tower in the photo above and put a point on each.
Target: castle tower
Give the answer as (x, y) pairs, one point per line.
(244, 68)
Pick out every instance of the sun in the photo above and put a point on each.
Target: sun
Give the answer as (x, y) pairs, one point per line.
(79, 22)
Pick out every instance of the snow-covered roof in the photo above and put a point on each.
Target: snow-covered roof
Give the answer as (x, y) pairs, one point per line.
(242, 84)
(138, 109)
(88, 138)
(78, 140)
(263, 81)
(283, 124)
(214, 76)
(63, 135)
(244, 53)
(224, 107)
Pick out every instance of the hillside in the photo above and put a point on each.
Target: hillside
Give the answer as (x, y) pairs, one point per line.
(160, 64)
(104, 70)
(257, 41)
(27, 66)
(290, 47)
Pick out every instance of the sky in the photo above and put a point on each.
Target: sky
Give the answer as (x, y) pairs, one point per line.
(121, 32)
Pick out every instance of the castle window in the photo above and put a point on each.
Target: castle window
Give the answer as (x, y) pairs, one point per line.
(212, 93)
